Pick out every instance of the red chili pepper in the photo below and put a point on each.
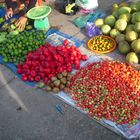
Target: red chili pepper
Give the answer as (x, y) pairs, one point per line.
(108, 90)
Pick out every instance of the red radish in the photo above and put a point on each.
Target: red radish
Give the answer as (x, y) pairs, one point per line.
(66, 42)
(84, 57)
(37, 78)
(24, 78)
(47, 61)
(19, 71)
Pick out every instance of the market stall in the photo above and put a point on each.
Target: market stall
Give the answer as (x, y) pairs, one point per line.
(106, 90)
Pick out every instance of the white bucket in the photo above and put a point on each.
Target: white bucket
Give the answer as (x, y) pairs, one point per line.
(87, 4)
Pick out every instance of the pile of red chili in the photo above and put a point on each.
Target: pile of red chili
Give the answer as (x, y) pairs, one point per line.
(47, 61)
(108, 90)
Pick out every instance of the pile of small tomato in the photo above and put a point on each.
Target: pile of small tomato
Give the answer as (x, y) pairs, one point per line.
(47, 61)
(108, 90)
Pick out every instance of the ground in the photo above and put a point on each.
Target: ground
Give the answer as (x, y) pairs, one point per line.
(27, 113)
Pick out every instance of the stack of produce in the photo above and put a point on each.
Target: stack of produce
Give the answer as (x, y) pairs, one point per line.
(48, 61)
(15, 47)
(124, 25)
(1, 20)
(108, 90)
(11, 28)
(59, 82)
(3, 36)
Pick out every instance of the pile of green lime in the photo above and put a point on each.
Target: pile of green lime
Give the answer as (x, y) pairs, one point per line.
(16, 47)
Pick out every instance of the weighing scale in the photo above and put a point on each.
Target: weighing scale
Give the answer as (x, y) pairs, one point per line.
(40, 16)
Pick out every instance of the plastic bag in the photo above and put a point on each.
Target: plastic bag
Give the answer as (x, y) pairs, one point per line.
(87, 4)
(92, 30)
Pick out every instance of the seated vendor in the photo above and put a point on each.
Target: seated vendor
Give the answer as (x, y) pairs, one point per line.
(20, 7)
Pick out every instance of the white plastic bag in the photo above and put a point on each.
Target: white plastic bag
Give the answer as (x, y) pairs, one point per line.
(87, 4)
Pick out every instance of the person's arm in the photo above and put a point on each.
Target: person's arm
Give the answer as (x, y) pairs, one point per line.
(9, 11)
(8, 3)
(31, 4)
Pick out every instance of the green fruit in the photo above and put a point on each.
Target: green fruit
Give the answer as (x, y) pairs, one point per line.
(115, 13)
(16, 32)
(13, 26)
(57, 83)
(115, 6)
(133, 6)
(131, 36)
(126, 17)
(124, 47)
(120, 37)
(48, 88)
(28, 27)
(133, 18)
(99, 22)
(120, 24)
(124, 10)
(110, 20)
(137, 17)
(136, 46)
(114, 33)
(106, 29)
(137, 27)
(5, 25)
(132, 57)
(130, 27)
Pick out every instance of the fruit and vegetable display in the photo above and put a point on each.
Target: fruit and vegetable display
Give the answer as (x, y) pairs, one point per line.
(108, 90)
(48, 61)
(14, 48)
(11, 27)
(123, 24)
(59, 82)
(102, 44)
(3, 36)
(1, 20)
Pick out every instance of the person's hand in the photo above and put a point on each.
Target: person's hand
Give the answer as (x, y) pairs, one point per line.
(9, 13)
(21, 23)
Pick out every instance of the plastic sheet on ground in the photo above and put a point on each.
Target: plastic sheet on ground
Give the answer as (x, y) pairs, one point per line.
(129, 132)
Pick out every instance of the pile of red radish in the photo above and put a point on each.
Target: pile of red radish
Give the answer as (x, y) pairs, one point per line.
(47, 61)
